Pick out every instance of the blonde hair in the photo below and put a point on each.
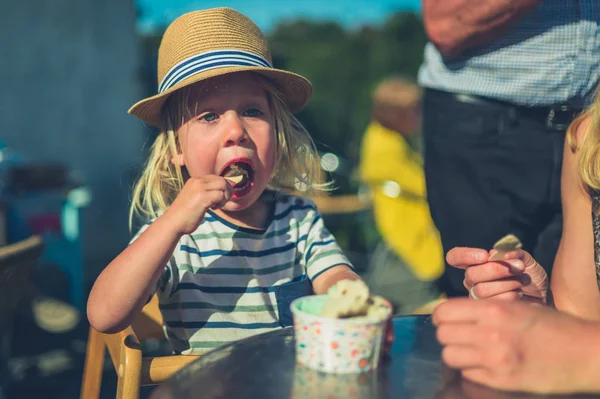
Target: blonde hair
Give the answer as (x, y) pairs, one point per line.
(587, 143)
(296, 164)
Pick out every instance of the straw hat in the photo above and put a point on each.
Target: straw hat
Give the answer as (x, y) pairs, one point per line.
(204, 44)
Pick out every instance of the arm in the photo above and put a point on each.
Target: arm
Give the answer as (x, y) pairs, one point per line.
(325, 262)
(573, 282)
(126, 283)
(124, 286)
(454, 26)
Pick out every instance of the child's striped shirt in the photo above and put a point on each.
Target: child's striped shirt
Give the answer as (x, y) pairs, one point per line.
(226, 282)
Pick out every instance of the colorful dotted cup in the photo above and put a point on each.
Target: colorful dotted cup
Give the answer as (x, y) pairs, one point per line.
(350, 345)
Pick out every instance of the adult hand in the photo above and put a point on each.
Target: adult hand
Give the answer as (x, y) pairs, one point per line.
(196, 197)
(517, 276)
(515, 346)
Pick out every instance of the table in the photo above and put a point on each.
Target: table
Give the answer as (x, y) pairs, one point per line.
(264, 366)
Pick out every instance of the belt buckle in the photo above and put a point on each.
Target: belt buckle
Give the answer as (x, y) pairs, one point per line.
(560, 117)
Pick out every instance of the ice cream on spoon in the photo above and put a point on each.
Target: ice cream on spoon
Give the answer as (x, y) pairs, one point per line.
(506, 244)
(235, 174)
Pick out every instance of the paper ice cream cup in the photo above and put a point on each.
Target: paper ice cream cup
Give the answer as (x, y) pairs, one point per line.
(351, 345)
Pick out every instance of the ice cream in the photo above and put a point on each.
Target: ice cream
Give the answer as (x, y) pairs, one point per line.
(352, 298)
(504, 245)
(235, 179)
(235, 174)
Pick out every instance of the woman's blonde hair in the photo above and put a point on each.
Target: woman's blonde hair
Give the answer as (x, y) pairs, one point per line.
(297, 162)
(585, 138)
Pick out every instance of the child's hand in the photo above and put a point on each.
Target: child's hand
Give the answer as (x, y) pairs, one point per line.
(197, 196)
(517, 276)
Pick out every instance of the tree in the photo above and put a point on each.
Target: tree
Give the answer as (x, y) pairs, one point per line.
(344, 67)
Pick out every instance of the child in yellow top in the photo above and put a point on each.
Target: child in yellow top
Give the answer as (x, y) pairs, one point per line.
(394, 172)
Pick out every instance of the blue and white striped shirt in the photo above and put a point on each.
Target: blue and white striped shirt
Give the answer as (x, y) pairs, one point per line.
(225, 282)
(552, 56)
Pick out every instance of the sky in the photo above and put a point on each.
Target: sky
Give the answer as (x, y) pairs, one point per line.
(268, 13)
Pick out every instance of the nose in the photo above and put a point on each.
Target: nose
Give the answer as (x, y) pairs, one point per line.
(235, 130)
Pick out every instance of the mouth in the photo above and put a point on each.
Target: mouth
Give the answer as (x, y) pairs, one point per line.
(240, 174)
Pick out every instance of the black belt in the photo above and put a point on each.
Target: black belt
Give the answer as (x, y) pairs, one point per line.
(556, 117)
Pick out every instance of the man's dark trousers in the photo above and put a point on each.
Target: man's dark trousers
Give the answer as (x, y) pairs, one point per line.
(493, 168)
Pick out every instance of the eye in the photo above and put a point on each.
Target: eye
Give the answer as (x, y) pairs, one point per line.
(253, 112)
(208, 117)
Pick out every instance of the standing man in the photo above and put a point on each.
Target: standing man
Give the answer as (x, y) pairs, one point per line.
(503, 79)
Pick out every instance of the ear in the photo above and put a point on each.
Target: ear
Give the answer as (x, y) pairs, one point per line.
(178, 160)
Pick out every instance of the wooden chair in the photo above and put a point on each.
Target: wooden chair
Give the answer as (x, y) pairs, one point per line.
(16, 264)
(132, 368)
(341, 204)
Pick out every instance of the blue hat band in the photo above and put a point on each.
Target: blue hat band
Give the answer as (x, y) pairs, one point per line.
(207, 61)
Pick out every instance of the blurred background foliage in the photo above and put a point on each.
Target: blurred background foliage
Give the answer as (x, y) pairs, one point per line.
(344, 67)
